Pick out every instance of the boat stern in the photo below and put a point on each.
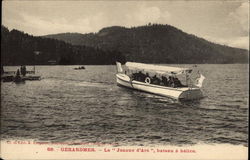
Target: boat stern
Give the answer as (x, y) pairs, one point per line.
(191, 94)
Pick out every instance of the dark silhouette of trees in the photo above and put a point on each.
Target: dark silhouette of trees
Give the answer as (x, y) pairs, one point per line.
(19, 48)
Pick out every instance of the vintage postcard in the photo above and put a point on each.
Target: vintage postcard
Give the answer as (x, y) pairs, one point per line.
(126, 79)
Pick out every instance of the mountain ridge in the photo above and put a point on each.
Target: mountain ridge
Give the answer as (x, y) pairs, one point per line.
(156, 43)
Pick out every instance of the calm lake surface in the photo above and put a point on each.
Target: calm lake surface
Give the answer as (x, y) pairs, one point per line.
(88, 106)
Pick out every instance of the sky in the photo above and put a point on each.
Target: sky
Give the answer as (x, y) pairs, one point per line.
(224, 22)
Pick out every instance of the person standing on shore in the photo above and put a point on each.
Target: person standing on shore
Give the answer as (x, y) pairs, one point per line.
(23, 70)
(2, 71)
(17, 78)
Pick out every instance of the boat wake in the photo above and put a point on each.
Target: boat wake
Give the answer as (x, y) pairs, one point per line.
(91, 84)
(77, 82)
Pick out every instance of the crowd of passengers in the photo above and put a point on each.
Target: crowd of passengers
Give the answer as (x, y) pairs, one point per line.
(169, 82)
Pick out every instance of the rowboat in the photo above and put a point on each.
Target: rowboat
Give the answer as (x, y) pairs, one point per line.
(139, 76)
(79, 68)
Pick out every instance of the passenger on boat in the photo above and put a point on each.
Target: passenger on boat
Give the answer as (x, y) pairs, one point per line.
(141, 77)
(138, 76)
(164, 80)
(135, 76)
(171, 82)
(156, 80)
(177, 82)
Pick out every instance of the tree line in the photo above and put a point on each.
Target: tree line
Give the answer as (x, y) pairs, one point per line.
(19, 48)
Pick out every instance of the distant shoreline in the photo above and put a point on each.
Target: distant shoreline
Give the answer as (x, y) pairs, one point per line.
(123, 64)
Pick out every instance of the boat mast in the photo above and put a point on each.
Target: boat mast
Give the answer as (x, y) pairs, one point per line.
(35, 54)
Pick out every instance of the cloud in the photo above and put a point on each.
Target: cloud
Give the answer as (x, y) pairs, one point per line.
(234, 31)
(59, 25)
(148, 14)
(240, 15)
(238, 42)
(166, 15)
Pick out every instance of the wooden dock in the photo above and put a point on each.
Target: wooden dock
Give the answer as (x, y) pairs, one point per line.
(10, 75)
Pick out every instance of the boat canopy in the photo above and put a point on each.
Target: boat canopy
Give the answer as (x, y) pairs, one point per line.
(157, 68)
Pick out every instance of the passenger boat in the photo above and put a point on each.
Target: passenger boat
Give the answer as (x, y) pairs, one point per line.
(189, 91)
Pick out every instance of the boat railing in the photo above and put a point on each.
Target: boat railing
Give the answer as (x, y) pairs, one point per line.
(9, 72)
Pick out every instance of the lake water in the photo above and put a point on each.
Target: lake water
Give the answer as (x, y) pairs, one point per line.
(88, 106)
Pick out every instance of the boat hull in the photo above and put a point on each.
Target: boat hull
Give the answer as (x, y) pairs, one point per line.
(183, 93)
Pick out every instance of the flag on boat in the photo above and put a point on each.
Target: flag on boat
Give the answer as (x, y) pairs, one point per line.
(199, 81)
(119, 67)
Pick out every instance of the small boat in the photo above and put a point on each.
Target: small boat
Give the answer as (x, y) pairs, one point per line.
(31, 78)
(131, 78)
(79, 68)
(7, 78)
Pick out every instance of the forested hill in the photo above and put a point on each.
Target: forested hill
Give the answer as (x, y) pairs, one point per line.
(18, 48)
(157, 44)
